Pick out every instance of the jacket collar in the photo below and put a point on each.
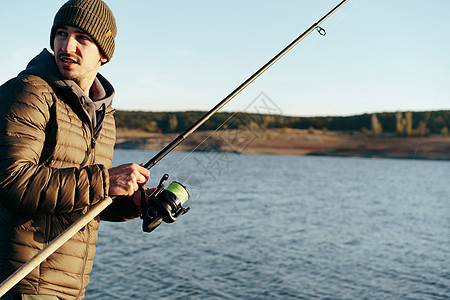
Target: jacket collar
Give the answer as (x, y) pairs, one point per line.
(44, 66)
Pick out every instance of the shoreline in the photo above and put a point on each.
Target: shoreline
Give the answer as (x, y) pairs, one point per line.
(289, 141)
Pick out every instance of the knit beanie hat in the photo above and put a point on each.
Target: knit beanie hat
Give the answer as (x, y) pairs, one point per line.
(93, 17)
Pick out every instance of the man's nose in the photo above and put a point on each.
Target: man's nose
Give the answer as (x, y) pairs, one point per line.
(69, 44)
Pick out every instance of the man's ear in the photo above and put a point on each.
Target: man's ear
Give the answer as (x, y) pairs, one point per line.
(103, 60)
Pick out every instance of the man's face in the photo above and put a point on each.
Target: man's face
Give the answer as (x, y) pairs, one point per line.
(77, 56)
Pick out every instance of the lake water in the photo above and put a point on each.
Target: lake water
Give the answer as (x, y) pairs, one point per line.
(285, 227)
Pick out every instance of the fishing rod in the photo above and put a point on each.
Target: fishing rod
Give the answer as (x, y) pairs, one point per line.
(228, 98)
(164, 204)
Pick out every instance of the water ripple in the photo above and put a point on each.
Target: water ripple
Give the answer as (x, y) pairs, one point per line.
(291, 228)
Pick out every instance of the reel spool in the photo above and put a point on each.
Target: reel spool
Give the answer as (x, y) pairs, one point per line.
(163, 205)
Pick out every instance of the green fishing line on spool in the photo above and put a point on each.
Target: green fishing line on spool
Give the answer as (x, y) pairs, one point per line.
(179, 191)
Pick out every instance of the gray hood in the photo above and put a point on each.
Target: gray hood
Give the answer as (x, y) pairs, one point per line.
(44, 66)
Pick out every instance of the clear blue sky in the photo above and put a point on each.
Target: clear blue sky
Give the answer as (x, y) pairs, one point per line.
(378, 55)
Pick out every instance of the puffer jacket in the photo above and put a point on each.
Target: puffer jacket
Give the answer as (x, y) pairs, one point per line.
(55, 152)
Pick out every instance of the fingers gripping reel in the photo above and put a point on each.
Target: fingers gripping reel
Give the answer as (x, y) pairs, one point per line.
(163, 205)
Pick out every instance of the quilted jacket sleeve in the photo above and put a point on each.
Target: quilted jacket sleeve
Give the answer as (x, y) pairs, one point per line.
(26, 184)
(122, 209)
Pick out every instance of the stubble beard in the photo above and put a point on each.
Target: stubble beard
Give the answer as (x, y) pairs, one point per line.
(70, 67)
(67, 65)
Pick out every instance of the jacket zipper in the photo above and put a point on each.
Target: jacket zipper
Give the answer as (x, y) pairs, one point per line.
(93, 141)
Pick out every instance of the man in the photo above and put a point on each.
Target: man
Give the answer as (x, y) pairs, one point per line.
(57, 134)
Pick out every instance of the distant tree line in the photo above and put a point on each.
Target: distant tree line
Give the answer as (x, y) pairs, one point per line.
(398, 123)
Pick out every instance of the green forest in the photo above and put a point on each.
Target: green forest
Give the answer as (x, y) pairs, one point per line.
(376, 124)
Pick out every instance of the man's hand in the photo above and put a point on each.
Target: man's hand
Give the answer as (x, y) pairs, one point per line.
(124, 180)
(137, 197)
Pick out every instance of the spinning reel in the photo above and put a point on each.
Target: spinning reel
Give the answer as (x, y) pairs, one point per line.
(163, 205)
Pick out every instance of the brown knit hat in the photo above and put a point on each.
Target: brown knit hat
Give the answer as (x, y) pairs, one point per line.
(93, 17)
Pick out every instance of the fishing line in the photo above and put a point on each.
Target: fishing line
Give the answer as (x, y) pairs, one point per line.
(333, 24)
(201, 143)
(321, 31)
(161, 154)
(165, 205)
(347, 11)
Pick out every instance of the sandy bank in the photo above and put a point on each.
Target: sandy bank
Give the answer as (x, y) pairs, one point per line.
(294, 142)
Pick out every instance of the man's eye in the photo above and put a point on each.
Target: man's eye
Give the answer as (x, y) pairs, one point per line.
(84, 38)
(61, 33)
